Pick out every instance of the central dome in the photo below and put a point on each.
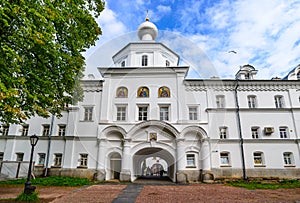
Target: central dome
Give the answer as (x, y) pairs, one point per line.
(147, 31)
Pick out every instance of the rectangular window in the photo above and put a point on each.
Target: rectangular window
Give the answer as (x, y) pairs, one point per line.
(220, 101)
(143, 113)
(279, 101)
(190, 158)
(193, 113)
(46, 130)
(83, 160)
(255, 132)
(288, 158)
(164, 113)
(283, 132)
(20, 156)
(144, 60)
(121, 113)
(224, 158)
(61, 130)
(88, 113)
(5, 129)
(1, 156)
(25, 130)
(57, 160)
(42, 157)
(223, 132)
(252, 102)
(258, 159)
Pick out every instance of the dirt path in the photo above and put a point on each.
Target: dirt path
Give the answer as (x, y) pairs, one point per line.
(153, 193)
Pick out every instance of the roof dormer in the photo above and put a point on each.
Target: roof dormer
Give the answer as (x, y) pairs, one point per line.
(246, 72)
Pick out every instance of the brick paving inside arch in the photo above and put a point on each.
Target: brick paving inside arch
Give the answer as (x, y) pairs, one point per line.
(107, 193)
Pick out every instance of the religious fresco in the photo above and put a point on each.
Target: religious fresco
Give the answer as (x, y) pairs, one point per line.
(143, 92)
(163, 92)
(122, 92)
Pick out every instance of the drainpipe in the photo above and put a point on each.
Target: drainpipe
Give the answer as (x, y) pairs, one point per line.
(240, 129)
(49, 145)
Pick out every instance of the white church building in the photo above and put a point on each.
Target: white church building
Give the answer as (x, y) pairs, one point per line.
(144, 111)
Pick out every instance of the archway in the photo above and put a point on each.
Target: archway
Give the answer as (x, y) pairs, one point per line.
(115, 166)
(160, 154)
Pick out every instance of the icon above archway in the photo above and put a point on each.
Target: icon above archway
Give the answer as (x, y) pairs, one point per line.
(143, 92)
(163, 92)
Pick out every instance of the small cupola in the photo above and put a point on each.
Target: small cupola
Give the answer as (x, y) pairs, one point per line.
(147, 31)
(246, 72)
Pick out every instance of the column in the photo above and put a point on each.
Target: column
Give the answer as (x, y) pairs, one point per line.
(207, 175)
(181, 177)
(101, 159)
(126, 162)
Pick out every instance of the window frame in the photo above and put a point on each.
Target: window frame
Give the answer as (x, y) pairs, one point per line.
(141, 110)
(20, 156)
(46, 130)
(193, 163)
(164, 115)
(227, 156)
(288, 159)
(279, 101)
(121, 115)
(25, 129)
(62, 129)
(41, 163)
(193, 113)
(88, 113)
(220, 101)
(57, 161)
(5, 130)
(255, 132)
(83, 160)
(1, 156)
(252, 101)
(223, 132)
(144, 60)
(283, 132)
(258, 156)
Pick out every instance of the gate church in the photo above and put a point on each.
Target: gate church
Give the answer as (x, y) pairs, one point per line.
(145, 112)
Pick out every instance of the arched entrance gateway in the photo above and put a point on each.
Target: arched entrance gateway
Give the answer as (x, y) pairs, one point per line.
(154, 148)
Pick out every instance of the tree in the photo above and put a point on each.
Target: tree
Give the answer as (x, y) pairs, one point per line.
(41, 54)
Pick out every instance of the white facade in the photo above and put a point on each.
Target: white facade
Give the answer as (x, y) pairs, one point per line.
(145, 111)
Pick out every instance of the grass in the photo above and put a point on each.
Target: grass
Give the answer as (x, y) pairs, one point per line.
(253, 185)
(52, 181)
(28, 197)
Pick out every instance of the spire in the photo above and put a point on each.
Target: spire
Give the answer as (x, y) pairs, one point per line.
(147, 16)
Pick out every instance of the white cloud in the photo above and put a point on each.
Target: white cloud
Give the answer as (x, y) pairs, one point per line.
(163, 9)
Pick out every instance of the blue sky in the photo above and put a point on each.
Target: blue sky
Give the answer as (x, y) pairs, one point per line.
(264, 33)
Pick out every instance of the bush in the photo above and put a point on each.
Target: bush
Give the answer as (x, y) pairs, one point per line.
(28, 197)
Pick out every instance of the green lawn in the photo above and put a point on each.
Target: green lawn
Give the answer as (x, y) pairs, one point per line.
(52, 181)
(252, 185)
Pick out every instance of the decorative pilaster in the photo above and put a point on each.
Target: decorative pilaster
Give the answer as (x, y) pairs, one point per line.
(101, 160)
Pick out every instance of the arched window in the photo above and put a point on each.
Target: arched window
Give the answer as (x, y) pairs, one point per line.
(122, 92)
(163, 92)
(144, 60)
(143, 92)
(167, 63)
(123, 64)
(298, 75)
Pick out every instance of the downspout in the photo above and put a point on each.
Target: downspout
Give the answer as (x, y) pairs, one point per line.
(240, 129)
(49, 145)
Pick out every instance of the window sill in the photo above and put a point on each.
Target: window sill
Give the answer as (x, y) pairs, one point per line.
(87, 121)
(82, 167)
(289, 166)
(225, 166)
(191, 167)
(259, 165)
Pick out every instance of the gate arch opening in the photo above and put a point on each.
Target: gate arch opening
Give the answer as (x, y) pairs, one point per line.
(166, 158)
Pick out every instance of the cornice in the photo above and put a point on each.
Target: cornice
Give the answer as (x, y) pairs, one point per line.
(92, 85)
(240, 85)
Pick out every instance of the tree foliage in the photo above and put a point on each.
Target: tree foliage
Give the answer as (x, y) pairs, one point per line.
(41, 54)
